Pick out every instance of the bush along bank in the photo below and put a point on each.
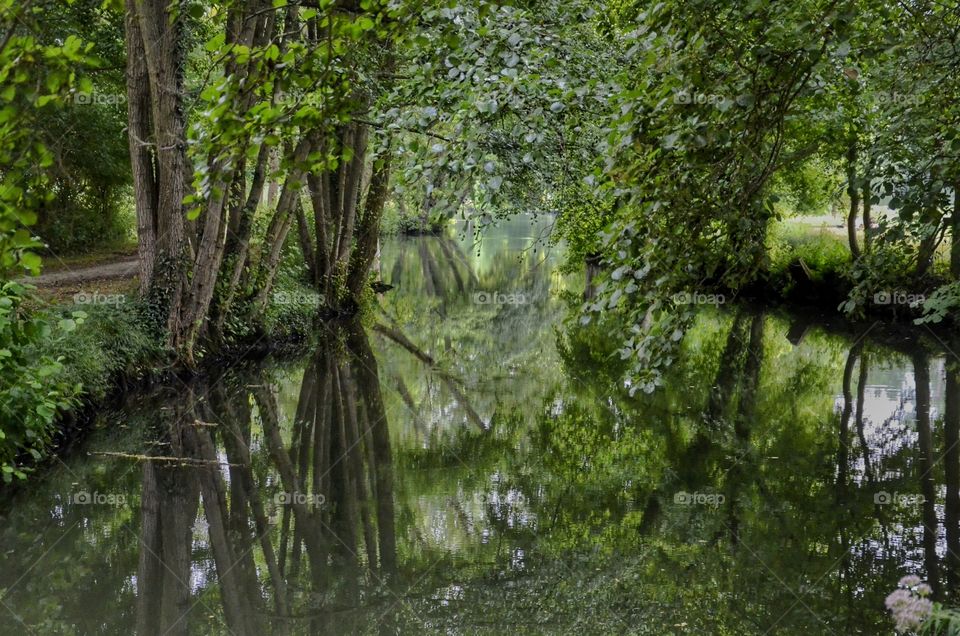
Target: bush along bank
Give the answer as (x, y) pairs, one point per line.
(54, 360)
(814, 269)
(58, 362)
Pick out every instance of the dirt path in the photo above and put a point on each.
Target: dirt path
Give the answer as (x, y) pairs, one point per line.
(126, 268)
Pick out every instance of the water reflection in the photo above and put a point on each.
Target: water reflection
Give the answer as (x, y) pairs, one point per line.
(290, 527)
(485, 473)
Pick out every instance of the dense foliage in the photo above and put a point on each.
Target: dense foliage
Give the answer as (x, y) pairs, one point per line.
(266, 141)
(35, 80)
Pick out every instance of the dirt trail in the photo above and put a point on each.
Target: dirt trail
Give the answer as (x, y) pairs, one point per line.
(126, 268)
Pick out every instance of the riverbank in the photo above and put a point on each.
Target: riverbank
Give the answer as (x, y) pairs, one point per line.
(810, 267)
(103, 344)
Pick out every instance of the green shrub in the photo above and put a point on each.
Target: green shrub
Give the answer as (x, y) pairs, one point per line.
(53, 359)
(35, 388)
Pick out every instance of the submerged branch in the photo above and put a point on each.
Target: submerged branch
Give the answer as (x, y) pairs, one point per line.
(161, 458)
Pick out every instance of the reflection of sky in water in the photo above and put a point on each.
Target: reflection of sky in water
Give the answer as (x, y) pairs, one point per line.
(889, 429)
(889, 410)
(202, 569)
(468, 517)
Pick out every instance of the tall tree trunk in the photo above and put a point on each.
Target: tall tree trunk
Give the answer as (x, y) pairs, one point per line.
(139, 137)
(335, 196)
(368, 230)
(955, 232)
(238, 241)
(350, 180)
(180, 262)
(854, 193)
(867, 221)
(160, 28)
(278, 229)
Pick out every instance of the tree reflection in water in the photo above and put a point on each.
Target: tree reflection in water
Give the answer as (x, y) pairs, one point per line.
(283, 525)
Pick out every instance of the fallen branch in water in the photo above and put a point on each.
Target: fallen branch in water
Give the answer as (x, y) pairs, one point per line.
(451, 382)
(162, 458)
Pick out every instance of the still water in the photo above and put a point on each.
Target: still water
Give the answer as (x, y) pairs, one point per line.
(465, 462)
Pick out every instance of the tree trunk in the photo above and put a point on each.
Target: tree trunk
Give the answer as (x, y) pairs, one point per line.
(368, 231)
(154, 35)
(854, 193)
(273, 189)
(955, 232)
(238, 242)
(925, 253)
(867, 221)
(279, 228)
(180, 262)
(139, 136)
(356, 140)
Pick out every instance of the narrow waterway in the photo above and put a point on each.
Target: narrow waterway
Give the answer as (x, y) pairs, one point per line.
(467, 462)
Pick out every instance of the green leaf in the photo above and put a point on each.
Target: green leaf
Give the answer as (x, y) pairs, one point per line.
(31, 261)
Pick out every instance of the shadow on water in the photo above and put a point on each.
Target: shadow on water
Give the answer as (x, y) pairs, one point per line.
(461, 466)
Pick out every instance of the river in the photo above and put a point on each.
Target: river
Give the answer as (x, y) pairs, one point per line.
(465, 461)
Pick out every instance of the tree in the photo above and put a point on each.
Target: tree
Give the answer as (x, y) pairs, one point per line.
(34, 79)
(711, 107)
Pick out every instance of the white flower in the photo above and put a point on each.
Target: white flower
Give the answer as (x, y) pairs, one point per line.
(909, 610)
(910, 580)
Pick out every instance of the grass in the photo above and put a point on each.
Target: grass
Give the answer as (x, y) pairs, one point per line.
(804, 260)
(113, 342)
